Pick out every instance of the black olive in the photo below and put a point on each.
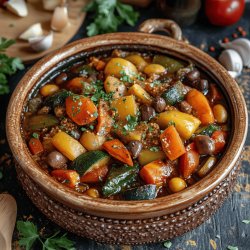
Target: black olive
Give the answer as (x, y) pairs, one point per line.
(204, 144)
(134, 148)
(147, 113)
(159, 104)
(193, 76)
(56, 160)
(185, 107)
(202, 85)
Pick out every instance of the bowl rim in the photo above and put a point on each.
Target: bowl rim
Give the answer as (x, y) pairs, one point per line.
(127, 209)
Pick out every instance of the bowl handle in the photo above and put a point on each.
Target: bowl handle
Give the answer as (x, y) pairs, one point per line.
(169, 26)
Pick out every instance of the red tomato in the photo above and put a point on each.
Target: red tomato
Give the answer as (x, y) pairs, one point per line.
(224, 12)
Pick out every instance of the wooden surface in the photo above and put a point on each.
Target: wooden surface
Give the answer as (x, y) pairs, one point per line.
(12, 26)
(223, 229)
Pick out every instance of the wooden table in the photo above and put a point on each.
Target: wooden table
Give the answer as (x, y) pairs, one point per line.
(223, 229)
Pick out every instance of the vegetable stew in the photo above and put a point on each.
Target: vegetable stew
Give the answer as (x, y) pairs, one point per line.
(127, 126)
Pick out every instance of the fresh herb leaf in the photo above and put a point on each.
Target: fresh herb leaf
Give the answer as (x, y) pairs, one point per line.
(154, 149)
(246, 221)
(232, 248)
(167, 244)
(108, 15)
(28, 234)
(8, 65)
(35, 135)
(132, 122)
(58, 243)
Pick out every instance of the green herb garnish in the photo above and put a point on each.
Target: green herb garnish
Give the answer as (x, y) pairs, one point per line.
(109, 14)
(35, 135)
(8, 65)
(132, 122)
(28, 235)
(167, 244)
(154, 149)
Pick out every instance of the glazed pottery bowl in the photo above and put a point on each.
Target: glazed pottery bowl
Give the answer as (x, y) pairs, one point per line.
(128, 222)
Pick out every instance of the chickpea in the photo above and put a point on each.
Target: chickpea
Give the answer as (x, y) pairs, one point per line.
(220, 113)
(49, 89)
(177, 184)
(153, 69)
(92, 192)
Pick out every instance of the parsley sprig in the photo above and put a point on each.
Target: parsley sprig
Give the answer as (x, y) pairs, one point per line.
(8, 65)
(109, 14)
(28, 235)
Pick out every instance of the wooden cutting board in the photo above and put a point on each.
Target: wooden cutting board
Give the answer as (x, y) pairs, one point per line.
(11, 26)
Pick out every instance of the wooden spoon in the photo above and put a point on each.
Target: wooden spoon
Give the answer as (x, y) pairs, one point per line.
(8, 211)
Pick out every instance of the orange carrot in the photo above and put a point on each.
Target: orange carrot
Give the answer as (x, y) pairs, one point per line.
(35, 146)
(155, 172)
(219, 138)
(76, 84)
(188, 163)
(70, 178)
(171, 143)
(105, 122)
(116, 149)
(201, 106)
(95, 175)
(81, 109)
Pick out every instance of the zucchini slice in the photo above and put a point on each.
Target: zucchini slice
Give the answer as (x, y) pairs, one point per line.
(89, 161)
(146, 192)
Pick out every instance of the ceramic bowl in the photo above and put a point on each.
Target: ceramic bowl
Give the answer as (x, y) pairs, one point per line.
(128, 222)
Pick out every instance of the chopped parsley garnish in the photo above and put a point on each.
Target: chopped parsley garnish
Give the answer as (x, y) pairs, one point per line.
(150, 128)
(155, 83)
(154, 149)
(132, 122)
(83, 129)
(171, 123)
(35, 135)
(124, 77)
(91, 127)
(167, 244)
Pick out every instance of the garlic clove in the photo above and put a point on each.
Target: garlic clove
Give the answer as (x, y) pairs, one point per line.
(242, 46)
(41, 43)
(231, 60)
(60, 18)
(34, 30)
(51, 4)
(17, 7)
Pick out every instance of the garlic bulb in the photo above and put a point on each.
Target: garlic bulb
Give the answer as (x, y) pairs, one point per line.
(231, 60)
(242, 46)
(41, 43)
(51, 4)
(34, 30)
(60, 18)
(17, 7)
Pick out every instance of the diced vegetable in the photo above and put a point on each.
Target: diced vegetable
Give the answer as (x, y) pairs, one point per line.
(81, 109)
(97, 63)
(174, 94)
(146, 156)
(119, 67)
(69, 178)
(171, 143)
(137, 60)
(141, 94)
(185, 124)
(207, 166)
(57, 99)
(220, 113)
(38, 122)
(146, 192)
(135, 135)
(219, 138)
(76, 84)
(119, 178)
(35, 146)
(125, 106)
(49, 89)
(153, 69)
(208, 130)
(188, 163)
(169, 63)
(104, 120)
(93, 192)
(177, 184)
(201, 106)
(92, 141)
(155, 172)
(95, 175)
(114, 85)
(67, 145)
(116, 149)
(89, 161)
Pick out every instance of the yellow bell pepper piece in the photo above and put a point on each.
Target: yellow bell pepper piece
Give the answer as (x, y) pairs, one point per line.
(185, 124)
(146, 156)
(124, 106)
(67, 145)
(141, 94)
